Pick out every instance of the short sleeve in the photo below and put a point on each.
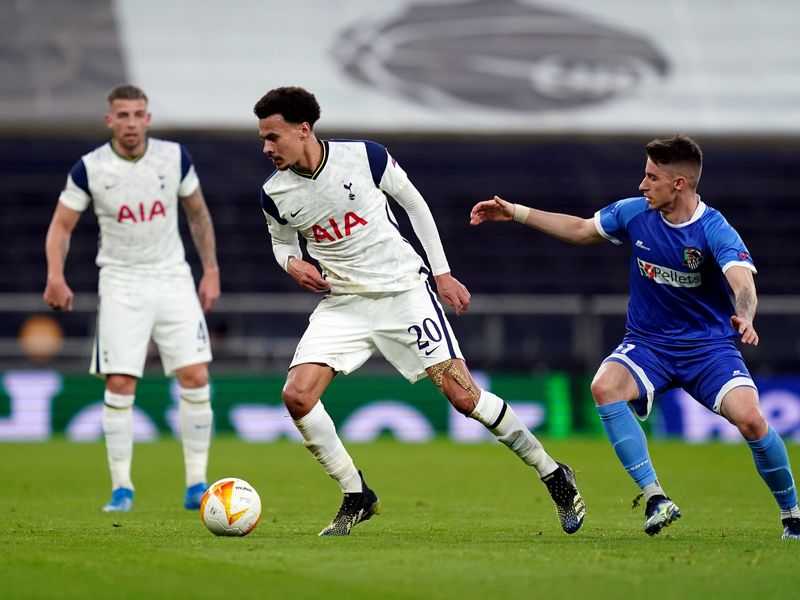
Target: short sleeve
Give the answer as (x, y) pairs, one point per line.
(612, 221)
(726, 244)
(75, 194)
(189, 180)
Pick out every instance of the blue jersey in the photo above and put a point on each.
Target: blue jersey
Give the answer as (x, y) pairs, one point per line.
(678, 292)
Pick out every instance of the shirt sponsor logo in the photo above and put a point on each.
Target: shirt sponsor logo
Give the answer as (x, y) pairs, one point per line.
(667, 276)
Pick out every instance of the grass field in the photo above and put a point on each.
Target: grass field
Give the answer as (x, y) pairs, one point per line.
(458, 521)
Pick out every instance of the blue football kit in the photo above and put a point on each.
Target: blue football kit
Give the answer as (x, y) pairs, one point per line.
(678, 322)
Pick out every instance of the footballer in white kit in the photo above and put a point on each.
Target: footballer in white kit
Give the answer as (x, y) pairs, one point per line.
(378, 295)
(146, 289)
(145, 283)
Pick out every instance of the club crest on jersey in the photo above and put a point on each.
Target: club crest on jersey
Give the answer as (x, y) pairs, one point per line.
(692, 258)
(349, 188)
(333, 231)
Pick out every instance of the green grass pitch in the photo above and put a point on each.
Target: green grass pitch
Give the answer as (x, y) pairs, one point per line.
(458, 521)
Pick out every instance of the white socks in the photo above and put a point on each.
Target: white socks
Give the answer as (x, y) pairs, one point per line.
(319, 436)
(499, 418)
(195, 417)
(118, 430)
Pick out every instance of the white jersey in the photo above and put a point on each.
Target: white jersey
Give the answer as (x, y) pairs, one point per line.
(343, 214)
(136, 203)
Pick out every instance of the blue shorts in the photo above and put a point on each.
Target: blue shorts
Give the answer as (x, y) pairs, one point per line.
(707, 371)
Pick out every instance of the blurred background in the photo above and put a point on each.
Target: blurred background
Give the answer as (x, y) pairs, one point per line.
(541, 102)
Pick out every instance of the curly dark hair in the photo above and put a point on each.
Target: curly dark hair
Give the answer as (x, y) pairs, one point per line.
(678, 149)
(295, 104)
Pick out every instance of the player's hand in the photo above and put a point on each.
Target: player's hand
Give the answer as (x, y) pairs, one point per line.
(495, 209)
(745, 329)
(453, 292)
(209, 289)
(58, 295)
(306, 275)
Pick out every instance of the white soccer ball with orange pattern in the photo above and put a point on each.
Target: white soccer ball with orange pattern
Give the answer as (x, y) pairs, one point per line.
(231, 506)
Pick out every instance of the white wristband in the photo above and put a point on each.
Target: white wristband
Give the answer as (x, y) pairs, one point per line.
(521, 213)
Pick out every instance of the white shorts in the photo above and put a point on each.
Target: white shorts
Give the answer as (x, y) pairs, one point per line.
(409, 328)
(129, 314)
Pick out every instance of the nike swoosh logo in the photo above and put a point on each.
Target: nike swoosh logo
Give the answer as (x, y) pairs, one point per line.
(294, 214)
(431, 351)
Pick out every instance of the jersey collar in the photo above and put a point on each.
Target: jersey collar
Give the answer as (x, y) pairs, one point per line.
(698, 212)
(318, 170)
(132, 159)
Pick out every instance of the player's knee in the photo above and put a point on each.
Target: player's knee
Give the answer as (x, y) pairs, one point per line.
(121, 384)
(297, 398)
(195, 376)
(603, 390)
(752, 424)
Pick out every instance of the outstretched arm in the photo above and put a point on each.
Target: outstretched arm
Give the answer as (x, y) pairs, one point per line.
(57, 293)
(567, 228)
(202, 230)
(745, 302)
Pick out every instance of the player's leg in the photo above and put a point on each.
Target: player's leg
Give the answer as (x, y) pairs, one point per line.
(118, 431)
(124, 323)
(614, 385)
(740, 406)
(411, 331)
(455, 381)
(181, 335)
(304, 387)
(195, 417)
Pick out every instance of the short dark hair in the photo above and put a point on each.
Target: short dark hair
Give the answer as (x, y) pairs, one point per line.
(295, 104)
(678, 149)
(126, 91)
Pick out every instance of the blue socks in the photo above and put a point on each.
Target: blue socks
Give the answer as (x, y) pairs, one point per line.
(772, 462)
(627, 437)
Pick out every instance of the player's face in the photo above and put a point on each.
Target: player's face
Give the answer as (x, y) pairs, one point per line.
(659, 186)
(284, 142)
(128, 121)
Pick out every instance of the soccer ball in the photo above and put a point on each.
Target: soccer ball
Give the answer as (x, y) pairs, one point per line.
(230, 506)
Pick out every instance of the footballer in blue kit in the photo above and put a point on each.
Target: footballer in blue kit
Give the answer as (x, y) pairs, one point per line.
(692, 294)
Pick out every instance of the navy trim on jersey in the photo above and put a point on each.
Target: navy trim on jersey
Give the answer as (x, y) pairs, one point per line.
(438, 308)
(377, 156)
(79, 176)
(268, 205)
(318, 170)
(186, 161)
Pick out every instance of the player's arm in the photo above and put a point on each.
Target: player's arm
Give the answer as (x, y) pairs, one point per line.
(450, 289)
(56, 292)
(202, 229)
(745, 302)
(567, 228)
(286, 248)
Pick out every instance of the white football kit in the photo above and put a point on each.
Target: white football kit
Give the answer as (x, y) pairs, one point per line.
(380, 297)
(145, 287)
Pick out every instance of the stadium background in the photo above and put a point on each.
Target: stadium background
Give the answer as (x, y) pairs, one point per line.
(541, 102)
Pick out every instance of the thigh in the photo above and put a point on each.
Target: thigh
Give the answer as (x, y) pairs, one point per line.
(338, 334)
(649, 369)
(709, 373)
(125, 315)
(413, 333)
(180, 330)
